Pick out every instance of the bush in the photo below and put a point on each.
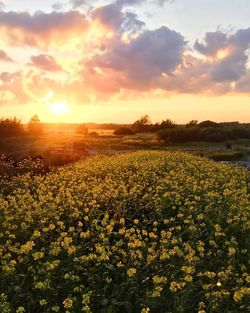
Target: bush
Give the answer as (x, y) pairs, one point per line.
(208, 123)
(142, 231)
(11, 127)
(226, 156)
(123, 131)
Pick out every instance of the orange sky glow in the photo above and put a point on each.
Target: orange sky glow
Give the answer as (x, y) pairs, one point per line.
(105, 63)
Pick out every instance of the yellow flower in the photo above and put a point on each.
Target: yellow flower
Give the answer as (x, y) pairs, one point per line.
(231, 251)
(43, 302)
(86, 218)
(122, 221)
(27, 247)
(68, 303)
(159, 279)
(131, 272)
(85, 234)
(38, 255)
(36, 233)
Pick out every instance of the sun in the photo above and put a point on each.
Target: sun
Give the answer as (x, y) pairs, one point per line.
(222, 54)
(58, 108)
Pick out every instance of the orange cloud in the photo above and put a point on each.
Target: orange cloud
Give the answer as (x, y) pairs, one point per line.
(45, 62)
(5, 57)
(42, 29)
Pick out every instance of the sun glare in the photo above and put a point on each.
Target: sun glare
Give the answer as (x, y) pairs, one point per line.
(58, 107)
(221, 54)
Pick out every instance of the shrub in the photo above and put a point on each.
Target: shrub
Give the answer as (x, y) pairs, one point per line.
(226, 156)
(11, 127)
(123, 131)
(208, 124)
(142, 232)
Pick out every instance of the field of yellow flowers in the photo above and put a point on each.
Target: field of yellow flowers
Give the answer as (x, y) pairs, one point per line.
(141, 232)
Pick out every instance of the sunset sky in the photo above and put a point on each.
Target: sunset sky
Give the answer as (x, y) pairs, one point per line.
(113, 61)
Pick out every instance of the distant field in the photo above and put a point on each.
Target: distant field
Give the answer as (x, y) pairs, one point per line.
(103, 141)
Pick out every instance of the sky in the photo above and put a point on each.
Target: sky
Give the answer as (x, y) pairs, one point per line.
(116, 60)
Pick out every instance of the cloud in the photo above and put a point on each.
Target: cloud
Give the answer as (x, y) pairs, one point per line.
(141, 63)
(78, 3)
(229, 53)
(12, 89)
(32, 87)
(41, 29)
(45, 62)
(58, 6)
(2, 5)
(212, 43)
(112, 16)
(5, 57)
(232, 68)
(243, 85)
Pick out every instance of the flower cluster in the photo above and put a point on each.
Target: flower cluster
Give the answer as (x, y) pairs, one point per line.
(140, 232)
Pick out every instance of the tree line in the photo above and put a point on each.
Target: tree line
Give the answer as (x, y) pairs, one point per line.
(169, 132)
(13, 127)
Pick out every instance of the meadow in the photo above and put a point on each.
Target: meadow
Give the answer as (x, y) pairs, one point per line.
(141, 232)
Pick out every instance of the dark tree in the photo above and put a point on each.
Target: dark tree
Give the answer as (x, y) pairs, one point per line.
(142, 125)
(192, 123)
(35, 128)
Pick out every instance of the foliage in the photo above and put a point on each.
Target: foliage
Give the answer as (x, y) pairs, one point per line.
(165, 124)
(208, 123)
(142, 232)
(142, 125)
(209, 134)
(11, 127)
(192, 123)
(35, 128)
(123, 131)
(226, 156)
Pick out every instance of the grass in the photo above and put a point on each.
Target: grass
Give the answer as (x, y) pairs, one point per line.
(107, 143)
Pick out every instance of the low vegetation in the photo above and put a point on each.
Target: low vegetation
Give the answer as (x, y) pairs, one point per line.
(142, 232)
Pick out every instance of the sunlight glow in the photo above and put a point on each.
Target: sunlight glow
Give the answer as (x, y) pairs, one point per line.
(222, 54)
(59, 107)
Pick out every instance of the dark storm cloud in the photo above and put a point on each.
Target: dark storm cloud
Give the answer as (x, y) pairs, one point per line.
(45, 62)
